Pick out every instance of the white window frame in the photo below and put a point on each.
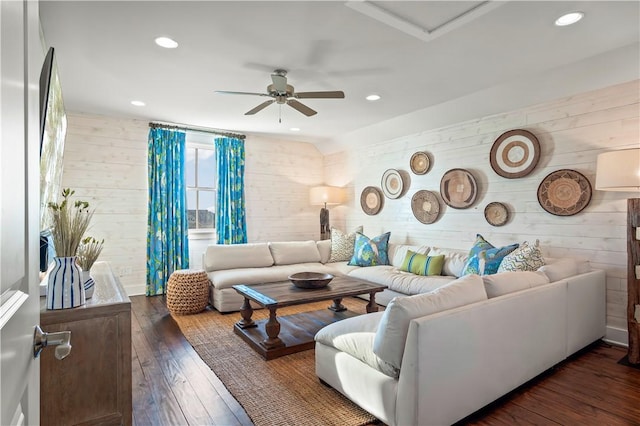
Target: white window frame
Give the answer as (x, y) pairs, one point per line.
(200, 233)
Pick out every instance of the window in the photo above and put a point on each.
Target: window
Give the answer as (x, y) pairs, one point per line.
(200, 174)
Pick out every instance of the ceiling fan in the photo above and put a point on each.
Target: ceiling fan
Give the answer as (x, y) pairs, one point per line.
(283, 93)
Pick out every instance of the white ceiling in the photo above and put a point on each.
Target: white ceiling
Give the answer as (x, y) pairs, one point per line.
(417, 54)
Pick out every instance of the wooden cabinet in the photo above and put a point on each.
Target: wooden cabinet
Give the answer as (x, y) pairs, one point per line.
(93, 384)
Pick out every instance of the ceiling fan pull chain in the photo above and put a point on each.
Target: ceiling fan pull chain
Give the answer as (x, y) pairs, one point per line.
(279, 113)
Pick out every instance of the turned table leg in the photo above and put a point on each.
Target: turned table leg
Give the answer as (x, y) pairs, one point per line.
(337, 306)
(246, 312)
(272, 327)
(372, 306)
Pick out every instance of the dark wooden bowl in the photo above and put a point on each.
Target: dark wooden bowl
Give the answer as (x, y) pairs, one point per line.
(310, 279)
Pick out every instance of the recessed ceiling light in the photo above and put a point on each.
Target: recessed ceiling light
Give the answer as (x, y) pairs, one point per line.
(372, 97)
(166, 42)
(569, 18)
(138, 103)
(295, 129)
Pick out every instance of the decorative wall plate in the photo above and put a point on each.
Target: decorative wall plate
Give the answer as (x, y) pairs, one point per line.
(458, 188)
(371, 200)
(419, 163)
(425, 206)
(515, 154)
(564, 192)
(392, 184)
(496, 214)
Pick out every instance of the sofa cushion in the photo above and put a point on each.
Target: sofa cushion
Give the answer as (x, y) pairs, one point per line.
(454, 260)
(527, 257)
(290, 252)
(340, 269)
(324, 248)
(421, 264)
(397, 252)
(342, 245)
(512, 281)
(400, 281)
(230, 256)
(394, 326)
(370, 251)
(484, 258)
(560, 269)
(355, 336)
(229, 277)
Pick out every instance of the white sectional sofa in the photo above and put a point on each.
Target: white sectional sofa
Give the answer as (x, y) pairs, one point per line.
(228, 265)
(433, 359)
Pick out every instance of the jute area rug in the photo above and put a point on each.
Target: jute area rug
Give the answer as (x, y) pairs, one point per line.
(282, 391)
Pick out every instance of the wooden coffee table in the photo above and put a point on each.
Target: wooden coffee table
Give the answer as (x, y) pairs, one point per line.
(279, 336)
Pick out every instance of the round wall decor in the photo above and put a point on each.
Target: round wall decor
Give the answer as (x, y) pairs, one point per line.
(371, 200)
(515, 154)
(496, 214)
(458, 188)
(425, 206)
(392, 184)
(419, 163)
(564, 192)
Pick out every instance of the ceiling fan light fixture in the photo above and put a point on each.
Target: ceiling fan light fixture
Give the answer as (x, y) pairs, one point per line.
(138, 103)
(373, 97)
(569, 19)
(166, 42)
(295, 129)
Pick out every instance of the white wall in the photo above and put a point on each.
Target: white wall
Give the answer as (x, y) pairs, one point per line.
(571, 131)
(105, 161)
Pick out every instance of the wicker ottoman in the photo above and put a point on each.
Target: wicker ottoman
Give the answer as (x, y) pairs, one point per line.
(187, 291)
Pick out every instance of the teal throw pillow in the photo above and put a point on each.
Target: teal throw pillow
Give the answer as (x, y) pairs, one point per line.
(370, 251)
(421, 264)
(484, 258)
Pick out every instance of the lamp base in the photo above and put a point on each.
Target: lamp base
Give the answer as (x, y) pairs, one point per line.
(625, 361)
(325, 231)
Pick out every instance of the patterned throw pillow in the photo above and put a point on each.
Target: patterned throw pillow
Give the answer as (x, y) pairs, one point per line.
(370, 251)
(484, 258)
(421, 264)
(342, 244)
(526, 258)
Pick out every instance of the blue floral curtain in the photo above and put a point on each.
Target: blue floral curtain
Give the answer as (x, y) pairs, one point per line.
(231, 224)
(168, 229)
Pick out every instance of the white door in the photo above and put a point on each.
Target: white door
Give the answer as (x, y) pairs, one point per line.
(20, 63)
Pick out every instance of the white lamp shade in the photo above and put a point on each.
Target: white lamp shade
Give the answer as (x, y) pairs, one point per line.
(618, 170)
(330, 195)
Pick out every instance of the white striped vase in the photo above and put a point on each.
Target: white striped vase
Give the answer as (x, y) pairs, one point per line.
(65, 288)
(88, 283)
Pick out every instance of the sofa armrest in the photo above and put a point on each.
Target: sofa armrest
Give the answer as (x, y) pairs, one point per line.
(586, 309)
(456, 362)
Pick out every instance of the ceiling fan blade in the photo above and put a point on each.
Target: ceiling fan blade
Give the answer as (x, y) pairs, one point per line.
(301, 107)
(279, 83)
(260, 107)
(226, 92)
(320, 95)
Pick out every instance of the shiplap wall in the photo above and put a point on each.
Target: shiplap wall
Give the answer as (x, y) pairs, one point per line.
(105, 162)
(572, 131)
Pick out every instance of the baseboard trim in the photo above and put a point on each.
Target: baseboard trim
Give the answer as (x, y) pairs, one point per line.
(616, 336)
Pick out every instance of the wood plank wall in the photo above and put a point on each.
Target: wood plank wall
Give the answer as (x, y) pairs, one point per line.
(105, 161)
(572, 131)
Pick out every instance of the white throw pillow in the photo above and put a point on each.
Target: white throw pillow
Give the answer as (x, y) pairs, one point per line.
(290, 252)
(509, 282)
(324, 248)
(454, 261)
(342, 245)
(394, 325)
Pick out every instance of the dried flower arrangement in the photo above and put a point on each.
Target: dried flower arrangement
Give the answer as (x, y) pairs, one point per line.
(88, 252)
(69, 224)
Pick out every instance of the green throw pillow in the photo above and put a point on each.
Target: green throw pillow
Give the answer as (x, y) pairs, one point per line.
(421, 264)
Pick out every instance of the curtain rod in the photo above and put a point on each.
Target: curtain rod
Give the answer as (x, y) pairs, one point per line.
(156, 124)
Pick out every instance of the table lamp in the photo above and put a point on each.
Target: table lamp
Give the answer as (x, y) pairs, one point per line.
(323, 196)
(620, 171)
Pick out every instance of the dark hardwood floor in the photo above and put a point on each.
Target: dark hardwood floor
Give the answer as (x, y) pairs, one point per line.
(173, 386)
